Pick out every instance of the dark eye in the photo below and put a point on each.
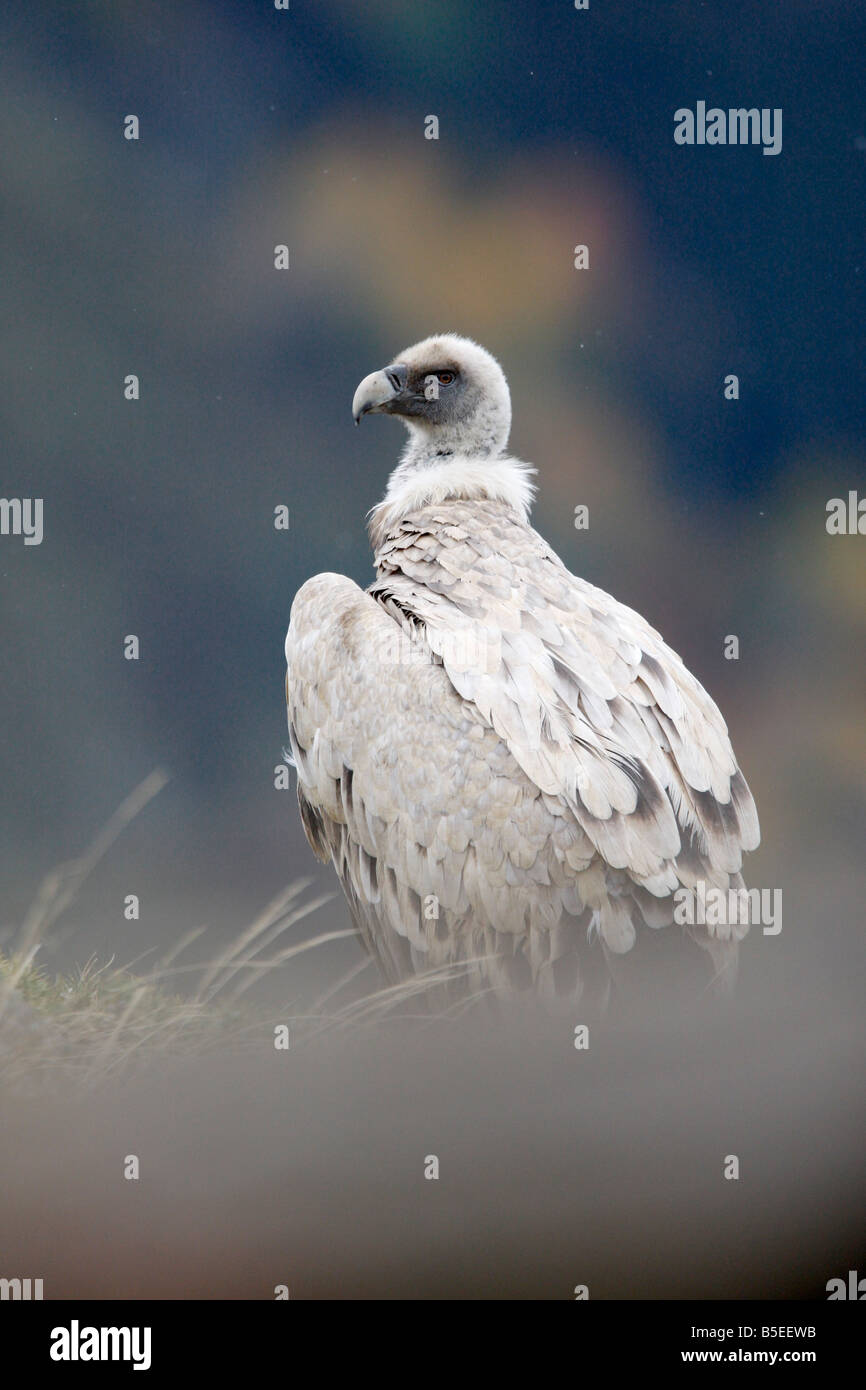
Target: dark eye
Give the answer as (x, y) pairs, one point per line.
(445, 378)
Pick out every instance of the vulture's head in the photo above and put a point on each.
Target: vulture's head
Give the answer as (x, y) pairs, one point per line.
(451, 395)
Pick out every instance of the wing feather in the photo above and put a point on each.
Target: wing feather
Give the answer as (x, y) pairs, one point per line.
(592, 704)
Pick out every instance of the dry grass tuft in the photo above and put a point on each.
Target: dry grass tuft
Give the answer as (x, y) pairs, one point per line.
(104, 1019)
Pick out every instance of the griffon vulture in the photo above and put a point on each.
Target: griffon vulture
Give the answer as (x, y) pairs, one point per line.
(511, 772)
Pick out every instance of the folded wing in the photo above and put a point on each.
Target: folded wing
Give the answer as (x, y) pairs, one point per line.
(595, 709)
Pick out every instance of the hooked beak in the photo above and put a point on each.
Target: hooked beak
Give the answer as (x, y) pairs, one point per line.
(380, 391)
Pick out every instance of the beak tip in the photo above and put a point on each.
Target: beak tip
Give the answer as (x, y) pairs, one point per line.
(375, 393)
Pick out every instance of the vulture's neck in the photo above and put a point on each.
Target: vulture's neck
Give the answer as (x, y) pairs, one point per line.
(412, 486)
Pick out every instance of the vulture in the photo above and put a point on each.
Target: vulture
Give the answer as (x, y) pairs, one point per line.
(513, 776)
